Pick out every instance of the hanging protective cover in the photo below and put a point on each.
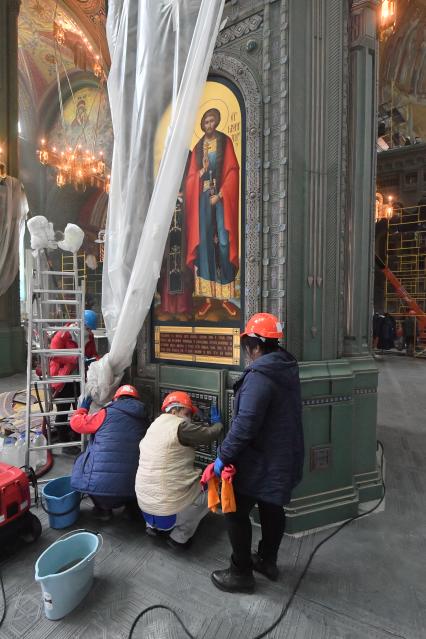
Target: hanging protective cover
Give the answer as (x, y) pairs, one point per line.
(13, 210)
(160, 56)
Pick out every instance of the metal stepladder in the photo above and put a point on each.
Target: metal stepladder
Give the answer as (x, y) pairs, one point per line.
(43, 301)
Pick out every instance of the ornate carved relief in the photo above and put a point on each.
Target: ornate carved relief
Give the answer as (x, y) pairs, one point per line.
(238, 30)
(239, 73)
(316, 208)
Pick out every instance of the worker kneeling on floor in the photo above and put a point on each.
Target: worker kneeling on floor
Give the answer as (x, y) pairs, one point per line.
(167, 483)
(106, 470)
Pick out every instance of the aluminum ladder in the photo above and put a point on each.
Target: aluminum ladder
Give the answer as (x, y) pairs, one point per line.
(42, 298)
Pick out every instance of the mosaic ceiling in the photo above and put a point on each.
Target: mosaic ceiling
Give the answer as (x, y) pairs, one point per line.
(402, 80)
(39, 61)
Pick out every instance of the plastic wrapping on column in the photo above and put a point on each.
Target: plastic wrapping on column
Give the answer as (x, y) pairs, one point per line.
(160, 56)
(13, 210)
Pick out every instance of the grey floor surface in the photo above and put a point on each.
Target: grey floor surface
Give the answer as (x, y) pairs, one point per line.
(369, 582)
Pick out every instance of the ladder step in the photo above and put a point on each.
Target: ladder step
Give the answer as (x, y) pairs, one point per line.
(59, 328)
(70, 302)
(57, 351)
(54, 446)
(68, 273)
(57, 321)
(68, 291)
(64, 400)
(51, 413)
(58, 380)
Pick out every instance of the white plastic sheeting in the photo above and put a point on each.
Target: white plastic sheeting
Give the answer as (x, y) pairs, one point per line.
(160, 56)
(73, 238)
(13, 210)
(41, 233)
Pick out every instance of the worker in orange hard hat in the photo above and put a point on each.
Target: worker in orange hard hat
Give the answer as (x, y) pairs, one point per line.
(167, 483)
(107, 468)
(265, 444)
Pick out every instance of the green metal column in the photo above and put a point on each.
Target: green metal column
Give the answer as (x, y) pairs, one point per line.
(330, 224)
(359, 232)
(359, 245)
(12, 342)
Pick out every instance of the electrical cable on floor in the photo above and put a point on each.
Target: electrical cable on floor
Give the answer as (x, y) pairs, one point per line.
(3, 594)
(288, 603)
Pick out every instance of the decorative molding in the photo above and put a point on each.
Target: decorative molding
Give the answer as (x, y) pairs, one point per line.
(14, 6)
(365, 391)
(327, 400)
(241, 75)
(236, 31)
(317, 182)
(343, 184)
(336, 399)
(267, 152)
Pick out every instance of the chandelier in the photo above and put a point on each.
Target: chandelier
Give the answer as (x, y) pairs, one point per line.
(383, 211)
(74, 165)
(387, 18)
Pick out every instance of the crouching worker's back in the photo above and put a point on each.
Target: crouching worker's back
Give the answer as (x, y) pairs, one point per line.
(167, 483)
(106, 470)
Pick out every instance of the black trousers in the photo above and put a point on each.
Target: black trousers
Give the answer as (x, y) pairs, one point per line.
(65, 433)
(272, 522)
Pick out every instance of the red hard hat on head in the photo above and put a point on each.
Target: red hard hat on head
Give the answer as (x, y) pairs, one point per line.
(126, 391)
(177, 399)
(264, 325)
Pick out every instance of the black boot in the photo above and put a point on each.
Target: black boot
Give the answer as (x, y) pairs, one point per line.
(233, 580)
(267, 567)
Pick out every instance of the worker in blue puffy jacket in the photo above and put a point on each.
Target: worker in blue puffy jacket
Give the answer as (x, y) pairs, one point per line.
(265, 444)
(106, 470)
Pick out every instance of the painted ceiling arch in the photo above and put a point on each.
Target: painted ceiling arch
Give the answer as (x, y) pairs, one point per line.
(42, 65)
(402, 74)
(39, 62)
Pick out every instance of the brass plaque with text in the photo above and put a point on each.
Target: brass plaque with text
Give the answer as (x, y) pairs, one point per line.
(198, 344)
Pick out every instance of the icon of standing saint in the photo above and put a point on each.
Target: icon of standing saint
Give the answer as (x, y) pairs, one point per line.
(212, 217)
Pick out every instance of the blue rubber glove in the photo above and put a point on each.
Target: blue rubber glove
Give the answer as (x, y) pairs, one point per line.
(86, 401)
(218, 467)
(214, 415)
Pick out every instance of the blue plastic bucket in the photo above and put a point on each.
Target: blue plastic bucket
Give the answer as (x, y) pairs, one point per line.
(62, 502)
(65, 571)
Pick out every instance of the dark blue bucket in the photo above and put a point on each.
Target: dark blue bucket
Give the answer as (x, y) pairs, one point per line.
(62, 503)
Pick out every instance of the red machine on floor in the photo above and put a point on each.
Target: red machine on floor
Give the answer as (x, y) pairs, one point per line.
(16, 520)
(404, 295)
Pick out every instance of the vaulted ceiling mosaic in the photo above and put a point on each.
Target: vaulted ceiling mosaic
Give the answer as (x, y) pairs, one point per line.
(41, 63)
(402, 79)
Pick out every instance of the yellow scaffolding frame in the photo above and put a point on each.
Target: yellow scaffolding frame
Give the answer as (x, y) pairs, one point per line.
(93, 281)
(406, 257)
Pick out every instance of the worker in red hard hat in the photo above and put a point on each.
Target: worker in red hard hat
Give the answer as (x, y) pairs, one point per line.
(106, 470)
(167, 483)
(64, 365)
(265, 444)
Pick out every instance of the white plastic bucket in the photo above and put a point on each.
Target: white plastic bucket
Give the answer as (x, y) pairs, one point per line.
(65, 571)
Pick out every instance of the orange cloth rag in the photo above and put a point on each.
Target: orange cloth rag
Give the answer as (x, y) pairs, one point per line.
(227, 497)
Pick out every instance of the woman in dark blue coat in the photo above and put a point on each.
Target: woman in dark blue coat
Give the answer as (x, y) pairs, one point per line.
(265, 444)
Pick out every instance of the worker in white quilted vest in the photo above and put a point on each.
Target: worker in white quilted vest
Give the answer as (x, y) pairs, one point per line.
(167, 483)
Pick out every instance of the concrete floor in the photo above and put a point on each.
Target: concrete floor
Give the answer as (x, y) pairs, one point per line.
(369, 582)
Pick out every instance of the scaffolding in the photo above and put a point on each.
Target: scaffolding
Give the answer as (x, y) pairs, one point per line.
(91, 278)
(406, 258)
